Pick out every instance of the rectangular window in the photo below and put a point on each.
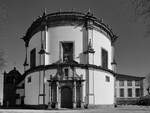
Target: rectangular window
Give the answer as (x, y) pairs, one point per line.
(17, 96)
(67, 51)
(22, 85)
(129, 83)
(33, 58)
(104, 59)
(129, 92)
(137, 92)
(29, 79)
(107, 78)
(121, 83)
(66, 72)
(121, 92)
(137, 83)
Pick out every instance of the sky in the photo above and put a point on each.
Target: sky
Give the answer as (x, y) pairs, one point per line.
(132, 49)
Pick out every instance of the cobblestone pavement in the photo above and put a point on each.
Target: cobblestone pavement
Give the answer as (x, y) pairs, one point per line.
(120, 109)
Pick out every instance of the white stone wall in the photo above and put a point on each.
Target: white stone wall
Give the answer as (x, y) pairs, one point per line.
(35, 42)
(63, 33)
(100, 91)
(47, 77)
(21, 92)
(80, 72)
(103, 91)
(32, 89)
(77, 35)
(101, 41)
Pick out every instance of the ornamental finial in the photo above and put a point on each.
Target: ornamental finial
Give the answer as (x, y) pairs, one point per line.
(89, 10)
(89, 13)
(115, 37)
(44, 12)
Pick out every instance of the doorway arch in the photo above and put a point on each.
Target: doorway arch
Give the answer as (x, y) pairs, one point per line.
(66, 97)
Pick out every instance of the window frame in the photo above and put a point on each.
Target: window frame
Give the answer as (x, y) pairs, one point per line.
(66, 73)
(121, 81)
(107, 78)
(33, 58)
(137, 83)
(120, 92)
(104, 61)
(62, 50)
(137, 94)
(130, 94)
(29, 79)
(128, 83)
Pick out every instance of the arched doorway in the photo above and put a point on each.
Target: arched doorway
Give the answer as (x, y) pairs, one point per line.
(66, 97)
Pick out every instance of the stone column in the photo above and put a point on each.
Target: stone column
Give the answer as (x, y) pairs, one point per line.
(87, 89)
(81, 93)
(113, 63)
(58, 95)
(115, 93)
(50, 95)
(74, 94)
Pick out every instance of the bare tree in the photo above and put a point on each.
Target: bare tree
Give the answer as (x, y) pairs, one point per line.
(147, 85)
(3, 20)
(142, 11)
(3, 14)
(2, 60)
(142, 7)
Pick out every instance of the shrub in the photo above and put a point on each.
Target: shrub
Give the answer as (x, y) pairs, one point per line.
(144, 100)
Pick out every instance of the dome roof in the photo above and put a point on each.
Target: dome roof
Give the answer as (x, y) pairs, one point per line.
(67, 18)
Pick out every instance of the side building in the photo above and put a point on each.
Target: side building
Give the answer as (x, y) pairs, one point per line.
(10, 87)
(128, 88)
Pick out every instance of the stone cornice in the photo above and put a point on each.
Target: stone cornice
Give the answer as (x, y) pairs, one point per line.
(128, 77)
(67, 18)
(55, 66)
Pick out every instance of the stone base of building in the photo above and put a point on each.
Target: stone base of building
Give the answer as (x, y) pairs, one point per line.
(35, 107)
(126, 101)
(101, 106)
(83, 106)
(25, 107)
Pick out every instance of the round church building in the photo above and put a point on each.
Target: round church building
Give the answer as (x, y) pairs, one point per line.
(69, 61)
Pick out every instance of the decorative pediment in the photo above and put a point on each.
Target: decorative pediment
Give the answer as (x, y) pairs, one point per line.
(66, 73)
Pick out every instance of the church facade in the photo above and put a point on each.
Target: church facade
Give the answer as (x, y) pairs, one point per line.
(69, 61)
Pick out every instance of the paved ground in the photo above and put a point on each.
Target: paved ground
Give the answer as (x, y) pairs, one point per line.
(120, 109)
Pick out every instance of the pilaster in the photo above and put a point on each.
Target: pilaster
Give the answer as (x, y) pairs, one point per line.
(50, 95)
(81, 93)
(74, 94)
(58, 95)
(26, 60)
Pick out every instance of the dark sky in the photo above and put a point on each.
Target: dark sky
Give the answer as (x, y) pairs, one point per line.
(132, 48)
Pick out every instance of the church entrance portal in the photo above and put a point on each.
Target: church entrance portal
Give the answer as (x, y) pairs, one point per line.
(66, 97)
